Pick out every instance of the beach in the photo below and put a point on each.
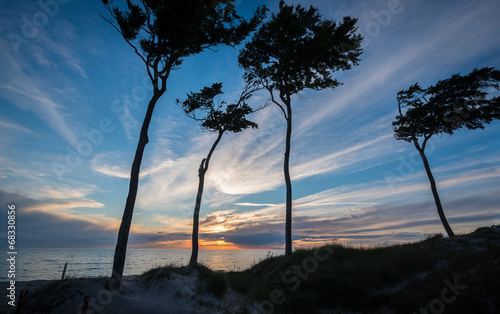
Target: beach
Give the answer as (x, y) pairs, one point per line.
(168, 293)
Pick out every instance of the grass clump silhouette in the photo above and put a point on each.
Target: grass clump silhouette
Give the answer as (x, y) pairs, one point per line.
(393, 279)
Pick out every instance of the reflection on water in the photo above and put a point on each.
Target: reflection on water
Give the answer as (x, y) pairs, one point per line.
(39, 264)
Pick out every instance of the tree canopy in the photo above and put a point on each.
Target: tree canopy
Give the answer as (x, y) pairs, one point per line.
(168, 31)
(220, 117)
(458, 102)
(297, 49)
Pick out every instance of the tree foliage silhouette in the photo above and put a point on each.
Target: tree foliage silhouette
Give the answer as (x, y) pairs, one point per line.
(458, 102)
(297, 49)
(220, 118)
(162, 34)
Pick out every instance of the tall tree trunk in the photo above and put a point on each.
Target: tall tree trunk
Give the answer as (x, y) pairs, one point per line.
(435, 193)
(196, 216)
(123, 233)
(193, 261)
(288, 182)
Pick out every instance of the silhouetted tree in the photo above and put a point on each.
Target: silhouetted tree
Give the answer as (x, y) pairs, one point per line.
(220, 118)
(455, 103)
(294, 50)
(162, 34)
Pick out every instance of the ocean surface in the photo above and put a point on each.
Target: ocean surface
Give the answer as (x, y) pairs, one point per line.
(48, 264)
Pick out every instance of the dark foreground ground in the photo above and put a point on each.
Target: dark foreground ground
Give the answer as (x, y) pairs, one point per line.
(436, 275)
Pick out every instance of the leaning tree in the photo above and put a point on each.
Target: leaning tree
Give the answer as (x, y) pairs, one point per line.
(298, 49)
(163, 33)
(461, 101)
(219, 118)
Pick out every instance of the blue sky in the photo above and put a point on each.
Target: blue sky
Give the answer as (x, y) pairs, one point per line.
(73, 95)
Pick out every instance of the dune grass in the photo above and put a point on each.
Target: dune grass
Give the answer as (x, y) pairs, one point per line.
(404, 278)
(436, 275)
(208, 280)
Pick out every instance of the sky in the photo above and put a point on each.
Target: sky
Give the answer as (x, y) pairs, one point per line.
(73, 96)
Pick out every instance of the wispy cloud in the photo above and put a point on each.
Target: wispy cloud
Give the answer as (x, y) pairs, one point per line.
(62, 193)
(412, 188)
(30, 97)
(26, 93)
(361, 212)
(14, 126)
(130, 124)
(46, 91)
(111, 164)
(254, 204)
(379, 75)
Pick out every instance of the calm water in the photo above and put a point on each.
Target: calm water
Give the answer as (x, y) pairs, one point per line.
(48, 264)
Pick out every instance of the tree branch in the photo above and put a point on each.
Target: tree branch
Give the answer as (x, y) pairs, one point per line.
(248, 90)
(399, 107)
(426, 138)
(212, 149)
(423, 97)
(128, 42)
(266, 86)
(417, 145)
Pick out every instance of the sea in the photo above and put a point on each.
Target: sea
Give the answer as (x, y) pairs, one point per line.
(48, 264)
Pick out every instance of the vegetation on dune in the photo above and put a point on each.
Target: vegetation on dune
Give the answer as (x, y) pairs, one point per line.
(459, 273)
(208, 280)
(438, 274)
(395, 279)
